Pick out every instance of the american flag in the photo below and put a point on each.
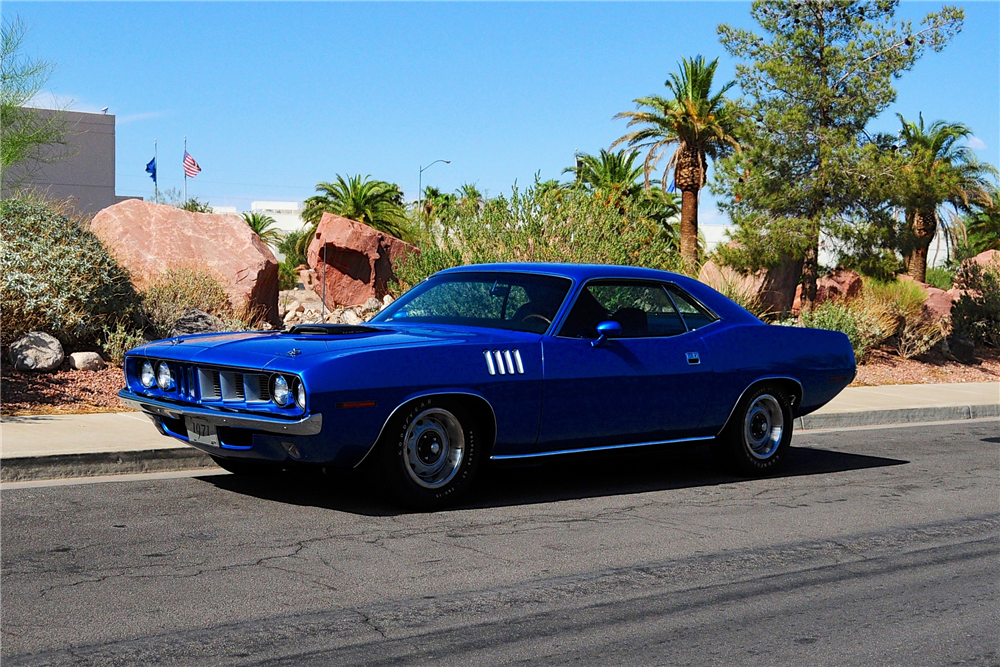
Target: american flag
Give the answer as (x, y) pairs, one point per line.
(191, 167)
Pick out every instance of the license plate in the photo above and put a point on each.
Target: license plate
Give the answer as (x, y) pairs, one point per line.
(201, 432)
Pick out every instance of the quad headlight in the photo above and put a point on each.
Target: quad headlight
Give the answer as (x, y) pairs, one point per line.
(164, 377)
(146, 375)
(281, 392)
(300, 396)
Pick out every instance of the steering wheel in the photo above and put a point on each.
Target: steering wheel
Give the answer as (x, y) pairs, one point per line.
(541, 317)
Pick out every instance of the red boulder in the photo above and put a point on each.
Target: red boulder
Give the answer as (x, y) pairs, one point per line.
(149, 239)
(838, 284)
(356, 260)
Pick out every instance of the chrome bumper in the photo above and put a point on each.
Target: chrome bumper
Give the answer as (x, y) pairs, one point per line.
(311, 425)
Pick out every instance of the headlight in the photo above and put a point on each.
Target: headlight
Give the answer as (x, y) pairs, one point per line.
(300, 396)
(164, 377)
(281, 393)
(146, 375)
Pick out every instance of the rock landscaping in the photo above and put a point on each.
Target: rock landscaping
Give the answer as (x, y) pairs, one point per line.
(359, 261)
(150, 239)
(36, 352)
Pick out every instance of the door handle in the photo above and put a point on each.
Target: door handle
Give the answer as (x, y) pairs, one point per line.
(693, 358)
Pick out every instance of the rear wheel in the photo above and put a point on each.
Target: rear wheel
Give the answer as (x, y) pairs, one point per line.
(757, 437)
(430, 455)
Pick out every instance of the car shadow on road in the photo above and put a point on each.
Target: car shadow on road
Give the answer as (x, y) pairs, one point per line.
(543, 481)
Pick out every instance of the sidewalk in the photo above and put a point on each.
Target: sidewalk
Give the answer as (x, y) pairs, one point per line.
(48, 446)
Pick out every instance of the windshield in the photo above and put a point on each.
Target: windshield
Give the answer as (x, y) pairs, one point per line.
(514, 301)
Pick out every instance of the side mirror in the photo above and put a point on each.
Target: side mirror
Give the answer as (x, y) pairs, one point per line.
(606, 330)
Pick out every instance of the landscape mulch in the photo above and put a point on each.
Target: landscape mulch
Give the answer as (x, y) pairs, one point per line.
(72, 392)
(932, 368)
(64, 391)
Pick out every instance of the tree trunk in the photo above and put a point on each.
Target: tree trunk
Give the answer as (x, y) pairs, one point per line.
(689, 230)
(689, 177)
(923, 226)
(810, 274)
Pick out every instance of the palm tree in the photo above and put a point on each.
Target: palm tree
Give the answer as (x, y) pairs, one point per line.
(936, 171)
(701, 126)
(469, 197)
(609, 172)
(375, 203)
(983, 224)
(265, 227)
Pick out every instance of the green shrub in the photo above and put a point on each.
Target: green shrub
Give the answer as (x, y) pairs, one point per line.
(289, 246)
(528, 226)
(940, 277)
(56, 276)
(120, 340)
(976, 314)
(867, 322)
(176, 291)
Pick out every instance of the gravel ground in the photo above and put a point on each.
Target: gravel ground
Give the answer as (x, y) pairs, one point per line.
(67, 391)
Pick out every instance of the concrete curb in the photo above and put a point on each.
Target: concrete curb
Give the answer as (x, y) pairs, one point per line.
(27, 468)
(898, 416)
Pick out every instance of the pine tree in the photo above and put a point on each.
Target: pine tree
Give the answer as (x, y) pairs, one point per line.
(820, 73)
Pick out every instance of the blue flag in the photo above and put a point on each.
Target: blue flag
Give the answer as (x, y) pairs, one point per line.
(151, 169)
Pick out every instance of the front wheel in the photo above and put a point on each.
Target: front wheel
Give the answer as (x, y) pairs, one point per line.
(756, 439)
(430, 455)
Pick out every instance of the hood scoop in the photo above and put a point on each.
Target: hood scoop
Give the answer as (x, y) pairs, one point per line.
(330, 330)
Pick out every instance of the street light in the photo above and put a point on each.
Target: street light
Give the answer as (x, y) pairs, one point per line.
(420, 182)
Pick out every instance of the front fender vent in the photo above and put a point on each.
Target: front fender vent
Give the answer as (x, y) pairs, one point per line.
(503, 362)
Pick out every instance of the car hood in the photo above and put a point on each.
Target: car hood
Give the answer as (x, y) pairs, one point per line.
(260, 349)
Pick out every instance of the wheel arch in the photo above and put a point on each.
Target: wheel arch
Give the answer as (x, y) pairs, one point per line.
(481, 409)
(791, 386)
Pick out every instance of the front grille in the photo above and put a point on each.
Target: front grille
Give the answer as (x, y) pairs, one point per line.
(233, 386)
(209, 382)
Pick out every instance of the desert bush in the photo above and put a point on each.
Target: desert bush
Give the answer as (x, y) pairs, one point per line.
(120, 340)
(867, 322)
(176, 291)
(903, 298)
(976, 314)
(56, 276)
(244, 318)
(745, 295)
(918, 335)
(528, 226)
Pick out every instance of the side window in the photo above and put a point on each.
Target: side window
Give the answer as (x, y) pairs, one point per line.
(693, 312)
(643, 309)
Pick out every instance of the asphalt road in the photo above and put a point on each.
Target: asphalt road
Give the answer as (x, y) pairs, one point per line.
(876, 547)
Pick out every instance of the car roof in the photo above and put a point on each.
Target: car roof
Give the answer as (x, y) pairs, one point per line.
(572, 271)
(581, 273)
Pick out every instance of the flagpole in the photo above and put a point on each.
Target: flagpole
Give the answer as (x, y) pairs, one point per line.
(185, 171)
(156, 189)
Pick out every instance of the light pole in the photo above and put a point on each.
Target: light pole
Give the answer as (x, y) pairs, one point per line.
(420, 182)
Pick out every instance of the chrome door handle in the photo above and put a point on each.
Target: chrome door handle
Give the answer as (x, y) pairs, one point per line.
(693, 358)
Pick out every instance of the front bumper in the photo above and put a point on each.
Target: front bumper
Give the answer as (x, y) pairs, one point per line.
(311, 425)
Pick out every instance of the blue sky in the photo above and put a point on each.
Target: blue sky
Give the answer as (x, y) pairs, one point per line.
(274, 97)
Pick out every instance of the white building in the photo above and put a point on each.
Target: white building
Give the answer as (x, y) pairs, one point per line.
(287, 214)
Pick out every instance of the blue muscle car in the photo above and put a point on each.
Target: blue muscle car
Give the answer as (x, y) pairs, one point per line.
(495, 362)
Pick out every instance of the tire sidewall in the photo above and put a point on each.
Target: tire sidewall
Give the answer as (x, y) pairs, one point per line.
(738, 450)
(394, 456)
